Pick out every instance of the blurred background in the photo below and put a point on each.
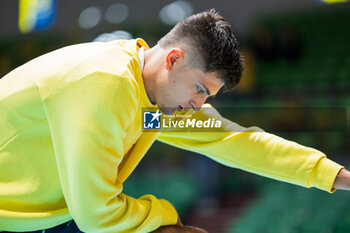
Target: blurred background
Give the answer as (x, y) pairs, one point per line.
(297, 55)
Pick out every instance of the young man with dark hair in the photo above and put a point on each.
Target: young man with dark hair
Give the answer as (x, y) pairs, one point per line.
(70, 131)
(210, 46)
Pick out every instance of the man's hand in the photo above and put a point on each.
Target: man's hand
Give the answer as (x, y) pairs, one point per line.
(342, 181)
(179, 223)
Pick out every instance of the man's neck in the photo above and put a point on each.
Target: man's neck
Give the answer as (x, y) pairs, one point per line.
(150, 70)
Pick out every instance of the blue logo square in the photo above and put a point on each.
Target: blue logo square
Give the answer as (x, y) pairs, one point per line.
(151, 120)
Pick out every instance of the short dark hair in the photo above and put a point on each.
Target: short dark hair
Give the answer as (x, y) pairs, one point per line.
(209, 35)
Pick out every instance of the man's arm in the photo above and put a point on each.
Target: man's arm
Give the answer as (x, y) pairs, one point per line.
(342, 181)
(253, 150)
(88, 119)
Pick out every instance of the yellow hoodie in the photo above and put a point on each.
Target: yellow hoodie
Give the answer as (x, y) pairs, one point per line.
(70, 135)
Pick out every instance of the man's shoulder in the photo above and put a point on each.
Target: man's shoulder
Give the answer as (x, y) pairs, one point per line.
(84, 63)
(117, 58)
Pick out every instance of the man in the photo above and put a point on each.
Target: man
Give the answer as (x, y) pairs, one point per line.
(70, 131)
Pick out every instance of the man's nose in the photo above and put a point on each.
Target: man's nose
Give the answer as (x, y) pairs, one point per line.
(197, 104)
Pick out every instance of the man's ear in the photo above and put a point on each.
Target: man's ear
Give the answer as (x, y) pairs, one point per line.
(173, 56)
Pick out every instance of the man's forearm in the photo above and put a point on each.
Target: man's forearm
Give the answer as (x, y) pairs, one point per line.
(342, 181)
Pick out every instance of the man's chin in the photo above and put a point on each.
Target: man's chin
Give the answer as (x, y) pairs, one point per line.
(167, 111)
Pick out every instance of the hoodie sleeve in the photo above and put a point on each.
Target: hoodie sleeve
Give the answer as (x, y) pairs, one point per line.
(88, 119)
(259, 152)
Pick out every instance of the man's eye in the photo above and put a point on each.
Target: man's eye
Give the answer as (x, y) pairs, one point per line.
(199, 90)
